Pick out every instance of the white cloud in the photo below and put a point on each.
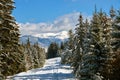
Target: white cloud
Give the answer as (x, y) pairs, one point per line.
(63, 23)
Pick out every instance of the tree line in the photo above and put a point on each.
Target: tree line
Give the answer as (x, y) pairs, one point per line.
(93, 50)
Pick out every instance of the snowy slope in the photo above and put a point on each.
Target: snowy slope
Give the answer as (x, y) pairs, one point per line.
(52, 70)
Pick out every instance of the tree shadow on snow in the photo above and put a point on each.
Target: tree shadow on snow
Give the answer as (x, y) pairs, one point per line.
(49, 76)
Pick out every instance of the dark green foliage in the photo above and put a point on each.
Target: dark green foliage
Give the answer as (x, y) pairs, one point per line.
(10, 54)
(70, 42)
(94, 47)
(52, 50)
(62, 46)
(116, 32)
(79, 48)
(14, 57)
(115, 75)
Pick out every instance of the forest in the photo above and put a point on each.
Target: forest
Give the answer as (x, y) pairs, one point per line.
(92, 49)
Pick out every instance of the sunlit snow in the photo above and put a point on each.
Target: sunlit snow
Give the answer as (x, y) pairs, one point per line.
(52, 70)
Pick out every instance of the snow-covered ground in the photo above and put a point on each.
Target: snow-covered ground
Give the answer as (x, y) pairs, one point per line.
(52, 70)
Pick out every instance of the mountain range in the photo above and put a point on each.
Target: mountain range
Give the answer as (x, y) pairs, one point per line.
(44, 39)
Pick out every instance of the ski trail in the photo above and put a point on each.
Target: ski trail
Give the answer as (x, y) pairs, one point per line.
(52, 70)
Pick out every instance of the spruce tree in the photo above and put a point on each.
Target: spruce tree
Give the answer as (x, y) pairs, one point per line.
(28, 55)
(9, 38)
(62, 46)
(34, 56)
(88, 58)
(52, 50)
(112, 13)
(96, 45)
(101, 31)
(70, 42)
(116, 47)
(116, 32)
(39, 55)
(67, 57)
(78, 49)
(106, 50)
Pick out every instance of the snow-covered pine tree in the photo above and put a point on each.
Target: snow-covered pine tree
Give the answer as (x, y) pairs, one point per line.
(88, 63)
(101, 30)
(116, 32)
(39, 55)
(28, 55)
(106, 49)
(34, 56)
(9, 38)
(96, 32)
(116, 47)
(70, 42)
(78, 49)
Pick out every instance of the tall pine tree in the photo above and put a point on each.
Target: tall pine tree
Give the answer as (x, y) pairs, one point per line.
(9, 38)
(116, 47)
(78, 49)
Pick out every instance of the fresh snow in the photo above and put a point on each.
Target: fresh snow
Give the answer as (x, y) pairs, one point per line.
(52, 70)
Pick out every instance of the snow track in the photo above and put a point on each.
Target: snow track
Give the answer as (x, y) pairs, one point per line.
(52, 70)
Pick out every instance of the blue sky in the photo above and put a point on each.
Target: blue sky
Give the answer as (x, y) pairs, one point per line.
(51, 16)
(48, 10)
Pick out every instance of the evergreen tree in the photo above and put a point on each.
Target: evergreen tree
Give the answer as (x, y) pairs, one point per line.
(93, 57)
(115, 67)
(70, 42)
(39, 57)
(67, 57)
(9, 29)
(62, 47)
(9, 38)
(28, 55)
(34, 56)
(106, 50)
(96, 30)
(89, 65)
(116, 32)
(52, 50)
(78, 49)
(94, 54)
(116, 47)
(112, 12)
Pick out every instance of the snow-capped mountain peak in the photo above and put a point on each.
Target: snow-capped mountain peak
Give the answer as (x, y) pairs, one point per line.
(60, 35)
(44, 39)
